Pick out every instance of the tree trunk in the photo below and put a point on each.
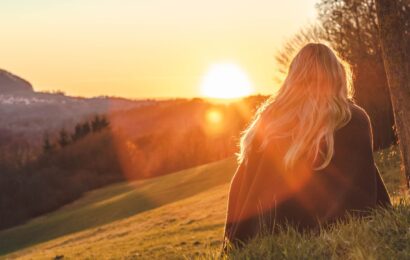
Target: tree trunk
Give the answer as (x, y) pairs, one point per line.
(394, 42)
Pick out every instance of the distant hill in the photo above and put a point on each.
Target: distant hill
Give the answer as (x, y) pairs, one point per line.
(10, 83)
(29, 114)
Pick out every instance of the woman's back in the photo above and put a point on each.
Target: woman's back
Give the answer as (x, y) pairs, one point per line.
(306, 159)
(263, 193)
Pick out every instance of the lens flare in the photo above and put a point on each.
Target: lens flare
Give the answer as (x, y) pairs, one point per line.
(214, 121)
(214, 116)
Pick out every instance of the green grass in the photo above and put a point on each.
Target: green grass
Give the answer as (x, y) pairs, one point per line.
(117, 202)
(182, 216)
(385, 234)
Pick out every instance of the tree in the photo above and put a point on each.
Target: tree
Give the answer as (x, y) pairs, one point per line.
(99, 123)
(104, 122)
(85, 129)
(292, 46)
(350, 27)
(63, 138)
(81, 130)
(394, 21)
(78, 132)
(47, 145)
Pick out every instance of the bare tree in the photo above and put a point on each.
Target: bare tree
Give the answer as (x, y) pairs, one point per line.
(393, 18)
(350, 27)
(312, 33)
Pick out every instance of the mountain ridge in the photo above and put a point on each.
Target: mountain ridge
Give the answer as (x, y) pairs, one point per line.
(11, 83)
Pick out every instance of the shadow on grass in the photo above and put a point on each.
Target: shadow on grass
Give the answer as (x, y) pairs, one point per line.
(114, 203)
(67, 221)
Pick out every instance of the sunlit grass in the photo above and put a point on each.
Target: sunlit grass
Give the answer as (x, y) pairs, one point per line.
(186, 221)
(141, 209)
(385, 234)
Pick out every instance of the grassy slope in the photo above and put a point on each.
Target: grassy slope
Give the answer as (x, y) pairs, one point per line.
(383, 235)
(138, 215)
(160, 218)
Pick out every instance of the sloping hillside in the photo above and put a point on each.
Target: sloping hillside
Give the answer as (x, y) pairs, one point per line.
(145, 218)
(10, 83)
(182, 215)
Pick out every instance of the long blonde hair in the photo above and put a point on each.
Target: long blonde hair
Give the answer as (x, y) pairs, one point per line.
(312, 103)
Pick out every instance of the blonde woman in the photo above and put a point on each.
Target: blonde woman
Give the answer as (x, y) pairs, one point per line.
(306, 158)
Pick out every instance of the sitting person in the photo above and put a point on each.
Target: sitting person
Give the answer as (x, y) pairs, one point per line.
(307, 157)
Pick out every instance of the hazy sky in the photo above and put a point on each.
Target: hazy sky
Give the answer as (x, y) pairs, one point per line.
(144, 48)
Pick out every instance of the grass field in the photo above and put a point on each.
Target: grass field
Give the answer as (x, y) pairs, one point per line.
(155, 217)
(182, 215)
(385, 234)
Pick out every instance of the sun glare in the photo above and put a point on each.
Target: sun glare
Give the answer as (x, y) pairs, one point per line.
(214, 122)
(226, 80)
(214, 116)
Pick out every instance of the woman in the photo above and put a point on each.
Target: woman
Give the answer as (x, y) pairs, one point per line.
(306, 159)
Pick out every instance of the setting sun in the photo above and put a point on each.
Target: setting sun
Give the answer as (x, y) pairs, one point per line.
(226, 80)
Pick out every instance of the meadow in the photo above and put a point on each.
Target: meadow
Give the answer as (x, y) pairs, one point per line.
(181, 216)
(385, 234)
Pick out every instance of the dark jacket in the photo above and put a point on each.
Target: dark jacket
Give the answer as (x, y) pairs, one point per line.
(261, 195)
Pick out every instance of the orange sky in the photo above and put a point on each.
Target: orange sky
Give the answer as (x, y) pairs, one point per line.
(144, 48)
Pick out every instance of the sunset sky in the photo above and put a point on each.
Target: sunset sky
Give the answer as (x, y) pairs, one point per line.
(144, 48)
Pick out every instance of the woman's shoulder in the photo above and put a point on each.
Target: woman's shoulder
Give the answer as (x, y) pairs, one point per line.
(359, 115)
(359, 126)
